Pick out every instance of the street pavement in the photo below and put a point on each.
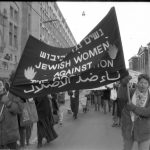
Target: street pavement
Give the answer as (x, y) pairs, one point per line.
(90, 131)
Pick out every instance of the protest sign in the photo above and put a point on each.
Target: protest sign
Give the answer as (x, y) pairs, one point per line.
(96, 61)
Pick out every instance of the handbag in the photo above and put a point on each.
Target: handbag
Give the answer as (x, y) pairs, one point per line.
(29, 114)
(33, 111)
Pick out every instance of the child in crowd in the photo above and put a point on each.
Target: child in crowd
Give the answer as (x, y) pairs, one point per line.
(83, 101)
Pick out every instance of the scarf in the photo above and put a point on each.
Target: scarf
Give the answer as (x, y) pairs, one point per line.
(139, 99)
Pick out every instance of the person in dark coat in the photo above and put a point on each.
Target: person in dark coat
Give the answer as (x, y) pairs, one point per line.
(45, 123)
(54, 103)
(92, 97)
(97, 99)
(135, 118)
(106, 100)
(122, 94)
(10, 106)
(70, 93)
(74, 102)
(25, 132)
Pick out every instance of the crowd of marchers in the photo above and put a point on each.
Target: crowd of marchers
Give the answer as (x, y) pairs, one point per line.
(129, 106)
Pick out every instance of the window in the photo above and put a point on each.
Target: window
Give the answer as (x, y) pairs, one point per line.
(10, 38)
(29, 22)
(15, 30)
(5, 12)
(41, 28)
(10, 34)
(44, 6)
(15, 58)
(1, 18)
(41, 11)
(59, 14)
(15, 41)
(10, 27)
(16, 15)
(43, 15)
(46, 3)
(51, 12)
(11, 12)
(43, 31)
(63, 21)
(15, 37)
(41, 20)
(48, 11)
(55, 6)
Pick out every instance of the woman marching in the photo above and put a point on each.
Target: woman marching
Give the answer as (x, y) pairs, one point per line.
(135, 120)
(10, 107)
(45, 123)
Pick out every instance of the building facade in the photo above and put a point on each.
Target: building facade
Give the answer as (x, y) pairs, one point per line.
(133, 63)
(134, 75)
(18, 20)
(141, 62)
(9, 37)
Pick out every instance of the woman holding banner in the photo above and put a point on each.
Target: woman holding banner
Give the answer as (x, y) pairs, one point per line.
(136, 116)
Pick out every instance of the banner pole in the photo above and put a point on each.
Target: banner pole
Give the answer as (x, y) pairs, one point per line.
(2, 110)
(128, 92)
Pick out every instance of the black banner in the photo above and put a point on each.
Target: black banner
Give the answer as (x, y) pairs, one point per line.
(97, 60)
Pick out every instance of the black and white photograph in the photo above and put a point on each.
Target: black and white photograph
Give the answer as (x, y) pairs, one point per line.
(74, 75)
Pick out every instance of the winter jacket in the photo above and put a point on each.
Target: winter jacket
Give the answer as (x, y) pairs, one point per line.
(9, 131)
(75, 102)
(140, 129)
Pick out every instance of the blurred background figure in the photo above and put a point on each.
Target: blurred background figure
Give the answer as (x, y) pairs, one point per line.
(106, 104)
(61, 105)
(113, 98)
(74, 101)
(88, 103)
(97, 99)
(54, 106)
